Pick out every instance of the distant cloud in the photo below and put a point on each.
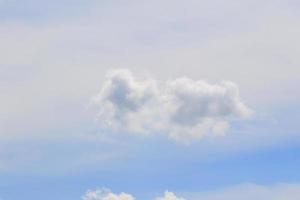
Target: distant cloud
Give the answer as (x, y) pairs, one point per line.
(169, 196)
(105, 194)
(183, 108)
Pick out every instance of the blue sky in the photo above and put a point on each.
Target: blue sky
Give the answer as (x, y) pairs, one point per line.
(198, 98)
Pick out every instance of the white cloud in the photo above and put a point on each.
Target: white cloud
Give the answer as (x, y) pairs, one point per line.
(183, 108)
(105, 194)
(169, 196)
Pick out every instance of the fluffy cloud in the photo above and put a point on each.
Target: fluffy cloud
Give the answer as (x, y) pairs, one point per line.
(169, 196)
(183, 108)
(105, 194)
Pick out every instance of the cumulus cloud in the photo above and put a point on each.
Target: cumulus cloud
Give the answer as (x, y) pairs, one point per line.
(105, 194)
(183, 108)
(169, 196)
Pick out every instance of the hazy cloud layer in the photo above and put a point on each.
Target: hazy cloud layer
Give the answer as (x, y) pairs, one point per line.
(183, 108)
(44, 59)
(252, 191)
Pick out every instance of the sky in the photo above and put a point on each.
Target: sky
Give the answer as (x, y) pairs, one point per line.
(149, 100)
